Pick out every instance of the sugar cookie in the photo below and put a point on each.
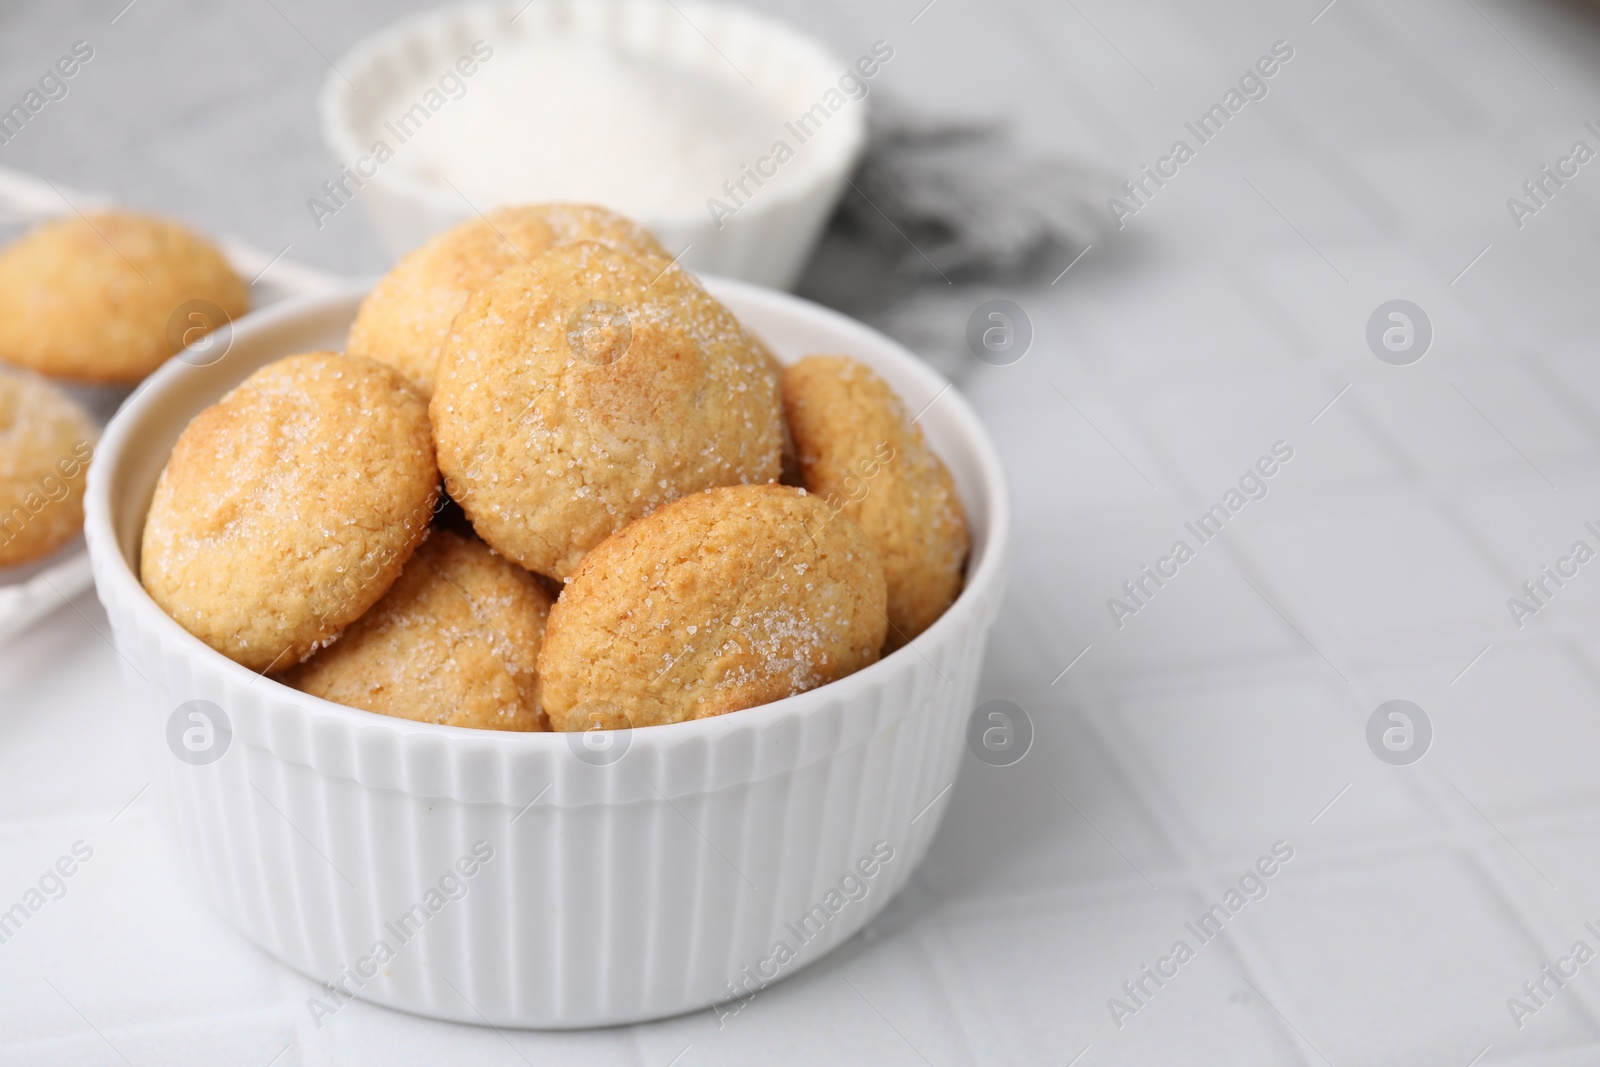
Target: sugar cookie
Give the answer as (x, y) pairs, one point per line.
(584, 390)
(406, 318)
(45, 444)
(290, 506)
(858, 451)
(93, 298)
(724, 600)
(454, 641)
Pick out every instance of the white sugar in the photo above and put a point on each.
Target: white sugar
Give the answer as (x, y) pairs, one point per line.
(567, 118)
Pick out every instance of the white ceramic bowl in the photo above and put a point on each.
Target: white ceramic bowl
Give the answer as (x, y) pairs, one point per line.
(770, 237)
(618, 891)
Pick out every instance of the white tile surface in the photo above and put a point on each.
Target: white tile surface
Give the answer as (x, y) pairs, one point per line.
(1514, 734)
(1288, 750)
(1049, 998)
(1368, 568)
(1451, 954)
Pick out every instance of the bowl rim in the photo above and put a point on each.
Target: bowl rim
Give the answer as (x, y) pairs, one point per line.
(340, 134)
(985, 569)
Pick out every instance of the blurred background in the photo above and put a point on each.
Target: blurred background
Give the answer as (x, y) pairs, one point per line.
(209, 110)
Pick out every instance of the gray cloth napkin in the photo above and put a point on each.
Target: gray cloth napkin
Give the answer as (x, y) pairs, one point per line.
(940, 215)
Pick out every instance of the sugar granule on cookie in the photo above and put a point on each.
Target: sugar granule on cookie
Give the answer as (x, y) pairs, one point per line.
(724, 600)
(290, 506)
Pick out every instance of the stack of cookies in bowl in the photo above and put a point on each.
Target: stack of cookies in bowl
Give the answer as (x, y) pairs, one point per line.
(553, 484)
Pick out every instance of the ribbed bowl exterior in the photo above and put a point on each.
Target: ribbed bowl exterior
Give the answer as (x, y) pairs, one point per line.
(769, 238)
(521, 879)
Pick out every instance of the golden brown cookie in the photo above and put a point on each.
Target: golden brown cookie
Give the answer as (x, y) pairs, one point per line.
(289, 507)
(723, 600)
(90, 298)
(406, 318)
(454, 641)
(589, 388)
(45, 444)
(858, 450)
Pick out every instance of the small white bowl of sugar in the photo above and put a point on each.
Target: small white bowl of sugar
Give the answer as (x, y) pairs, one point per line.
(728, 134)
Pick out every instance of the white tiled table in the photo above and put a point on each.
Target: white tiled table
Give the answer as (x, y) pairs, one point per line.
(1227, 715)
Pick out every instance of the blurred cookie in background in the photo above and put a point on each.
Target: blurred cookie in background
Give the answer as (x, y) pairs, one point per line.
(46, 441)
(94, 298)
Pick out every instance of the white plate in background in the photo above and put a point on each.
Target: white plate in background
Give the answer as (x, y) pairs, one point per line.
(29, 591)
